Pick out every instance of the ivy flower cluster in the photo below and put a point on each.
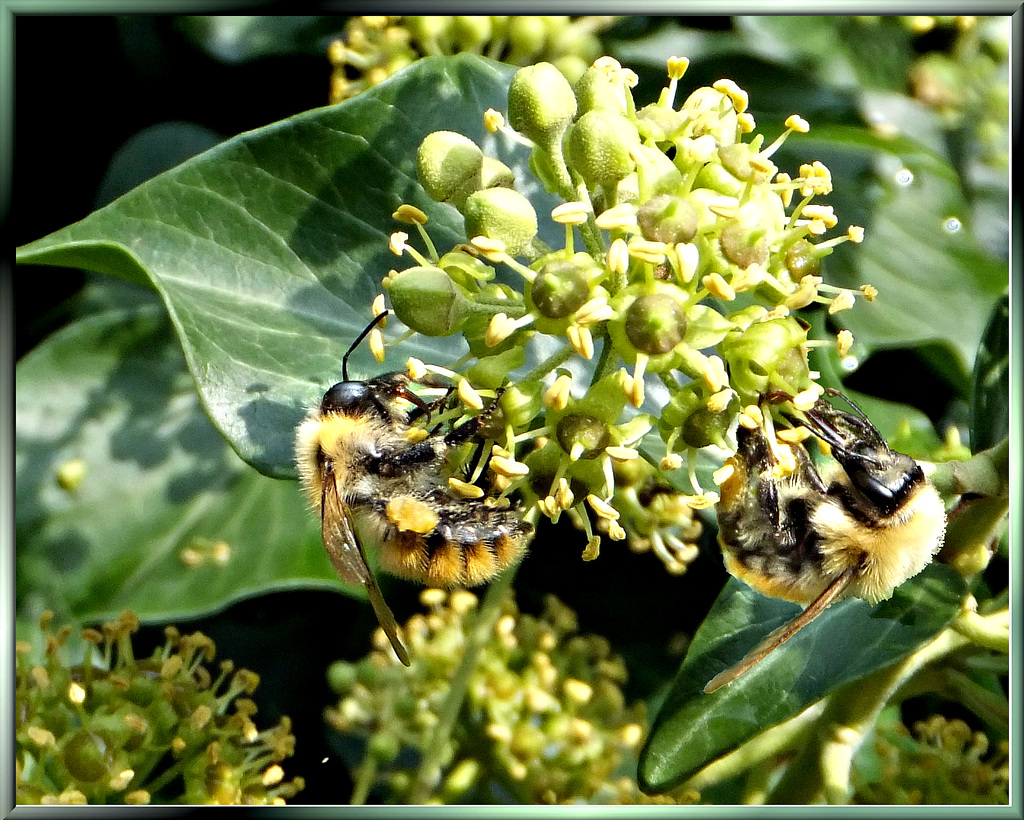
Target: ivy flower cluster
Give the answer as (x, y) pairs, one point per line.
(545, 718)
(372, 48)
(686, 252)
(116, 729)
(940, 762)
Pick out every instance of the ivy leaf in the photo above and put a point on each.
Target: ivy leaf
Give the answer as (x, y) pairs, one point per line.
(111, 394)
(935, 281)
(268, 249)
(848, 642)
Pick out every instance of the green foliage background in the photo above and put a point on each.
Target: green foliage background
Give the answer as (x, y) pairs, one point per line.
(237, 279)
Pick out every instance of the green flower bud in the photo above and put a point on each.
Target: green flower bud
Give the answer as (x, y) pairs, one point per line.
(598, 147)
(736, 158)
(540, 104)
(87, 755)
(667, 219)
(341, 676)
(584, 432)
(501, 213)
(561, 287)
(384, 747)
(763, 351)
(597, 89)
(649, 319)
(527, 35)
(703, 428)
(428, 301)
(803, 259)
(449, 167)
(496, 174)
(462, 778)
(655, 323)
(469, 33)
(743, 245)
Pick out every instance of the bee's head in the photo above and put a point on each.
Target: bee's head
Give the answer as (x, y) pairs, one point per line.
(378, 397)
(884, 477)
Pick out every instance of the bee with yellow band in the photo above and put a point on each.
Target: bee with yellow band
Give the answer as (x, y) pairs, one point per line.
(373, 474)
(859, 528)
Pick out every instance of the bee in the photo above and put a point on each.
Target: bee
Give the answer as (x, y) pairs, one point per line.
(862, 527)
(375, 475)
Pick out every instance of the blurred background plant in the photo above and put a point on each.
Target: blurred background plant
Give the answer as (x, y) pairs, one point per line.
(127, 495)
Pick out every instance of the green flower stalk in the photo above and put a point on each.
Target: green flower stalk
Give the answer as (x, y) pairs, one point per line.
(120, 730)
(686, 253)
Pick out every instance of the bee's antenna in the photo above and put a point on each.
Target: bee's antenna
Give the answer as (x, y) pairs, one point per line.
(833, 392)
(344, 361)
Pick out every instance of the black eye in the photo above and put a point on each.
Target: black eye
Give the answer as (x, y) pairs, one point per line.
(346, 397)
(886, 485)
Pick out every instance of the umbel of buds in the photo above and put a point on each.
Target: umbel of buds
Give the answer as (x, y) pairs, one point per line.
(686, 254)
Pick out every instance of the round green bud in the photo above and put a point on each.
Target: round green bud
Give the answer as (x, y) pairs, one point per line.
(425, 28)
(703, 428)
(469, 33)
(87, 756)
(428, 301)
(384, 746)
(540, 103)
(668, 219)
(496, 174)
(578, 430)
(655, 323)
(597, 89)
(736, 158)
(527, 35)
(341, 676)
(501, 213)
(743, 245)
(449, 167)
(803, 259)
(764, 350)
(598, 147)
(560, 288)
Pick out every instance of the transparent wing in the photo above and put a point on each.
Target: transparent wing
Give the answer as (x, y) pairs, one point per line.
(779, 636)
(346, 554)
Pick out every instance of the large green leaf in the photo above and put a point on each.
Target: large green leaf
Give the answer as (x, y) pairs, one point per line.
(112, 391)
(849, 641)
(936, 283)
(268, 249)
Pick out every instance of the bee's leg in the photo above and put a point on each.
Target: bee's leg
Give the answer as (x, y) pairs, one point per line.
(398, 460)
(469, 428)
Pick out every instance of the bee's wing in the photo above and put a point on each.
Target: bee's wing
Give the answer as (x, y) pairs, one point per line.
(778, 637)
(346, 554)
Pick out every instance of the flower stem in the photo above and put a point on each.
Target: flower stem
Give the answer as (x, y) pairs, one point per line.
(482, 631)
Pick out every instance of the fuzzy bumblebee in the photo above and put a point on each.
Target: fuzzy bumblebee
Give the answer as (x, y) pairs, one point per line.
(375, 475)
(860, 528)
